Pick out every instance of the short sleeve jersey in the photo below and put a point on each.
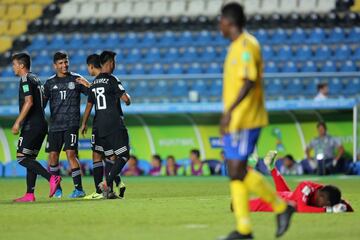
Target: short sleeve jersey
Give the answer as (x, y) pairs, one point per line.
(64, 95)
(30, 85)
(325, 146)
(105, 93)
(244, 62)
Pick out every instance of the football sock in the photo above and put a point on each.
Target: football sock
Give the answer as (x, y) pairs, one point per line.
(55, 169)
(240, 203)
(34, 166)
(117, 180)
(108, 165)
(30, 181)
(115, 171)
(257, 184)
(98, 170)
(76, 176)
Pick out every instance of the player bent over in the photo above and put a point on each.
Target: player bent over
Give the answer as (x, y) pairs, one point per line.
(33, 127)
(309, 197)
(111, 133)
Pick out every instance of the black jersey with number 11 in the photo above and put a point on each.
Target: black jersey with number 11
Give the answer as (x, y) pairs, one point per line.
(105, 93)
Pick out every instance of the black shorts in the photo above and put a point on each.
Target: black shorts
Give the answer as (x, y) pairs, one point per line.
(68, 139)
(116, 143)
(30, 141)
(96, 144)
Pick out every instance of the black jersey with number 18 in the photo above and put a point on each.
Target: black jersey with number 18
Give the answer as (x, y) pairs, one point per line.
(105, 93)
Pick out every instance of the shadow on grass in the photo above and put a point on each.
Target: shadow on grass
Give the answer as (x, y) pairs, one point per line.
(51, 201)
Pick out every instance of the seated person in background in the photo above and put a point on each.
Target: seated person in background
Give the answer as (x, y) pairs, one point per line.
(290, 166)
(132, 168)
(171, 168)
(197, 167)
(323, 92)
(155, 165)
(325, 147)
(308, 197)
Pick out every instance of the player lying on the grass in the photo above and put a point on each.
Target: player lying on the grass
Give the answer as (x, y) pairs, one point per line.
(309, 197)
(105, 93)
(63, 93)
(33, 126)
(94, 69)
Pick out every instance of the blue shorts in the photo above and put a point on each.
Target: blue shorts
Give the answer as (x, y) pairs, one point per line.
(240, 145)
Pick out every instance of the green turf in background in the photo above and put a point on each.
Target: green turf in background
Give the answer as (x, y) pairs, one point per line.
(159, 208)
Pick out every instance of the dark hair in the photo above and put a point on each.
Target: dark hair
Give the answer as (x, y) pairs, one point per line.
(235, 13)
(59, 56)
(157, 157)
(106, 56)
(171, 156)
(290, 157)
(333, 194)
(22, 58)
(321, 86)
(133, 157)
(196, 152)
(323, 124)
(93, 59)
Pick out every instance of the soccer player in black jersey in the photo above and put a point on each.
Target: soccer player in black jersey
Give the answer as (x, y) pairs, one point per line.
(94, 69)
(105, 93)
(63, 93)
(33, 126)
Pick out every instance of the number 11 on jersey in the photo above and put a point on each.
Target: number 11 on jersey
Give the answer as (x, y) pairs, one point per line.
(63, 95)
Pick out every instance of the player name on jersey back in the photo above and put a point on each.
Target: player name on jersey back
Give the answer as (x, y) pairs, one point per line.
(105, 93)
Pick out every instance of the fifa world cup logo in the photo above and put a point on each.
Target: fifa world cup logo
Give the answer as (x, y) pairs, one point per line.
(276, 132)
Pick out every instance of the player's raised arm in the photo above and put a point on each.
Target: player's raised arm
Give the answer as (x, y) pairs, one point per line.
(24, 112)
(83, 82)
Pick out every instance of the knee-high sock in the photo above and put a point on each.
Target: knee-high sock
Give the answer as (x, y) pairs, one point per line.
(117, 180)
(257, 184)
(30, 181)
(240, 203)
(55, 169)
(76, 176)
(34, 166)
(280, 183)
(98, 170)
(108, 166)
(119, 163)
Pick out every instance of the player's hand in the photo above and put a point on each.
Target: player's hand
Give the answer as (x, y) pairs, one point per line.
(15, 128)
(224, 123)
(82, 81)
(339, 208)
(83, 130)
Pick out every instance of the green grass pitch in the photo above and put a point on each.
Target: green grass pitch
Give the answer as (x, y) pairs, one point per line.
(160, 208)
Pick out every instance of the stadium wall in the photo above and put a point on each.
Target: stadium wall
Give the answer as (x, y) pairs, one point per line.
(176, 134)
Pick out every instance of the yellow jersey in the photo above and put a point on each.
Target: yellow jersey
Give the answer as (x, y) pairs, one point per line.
(244, 61)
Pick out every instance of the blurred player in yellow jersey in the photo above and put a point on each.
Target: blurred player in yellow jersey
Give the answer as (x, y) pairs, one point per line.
(244, 116)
